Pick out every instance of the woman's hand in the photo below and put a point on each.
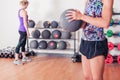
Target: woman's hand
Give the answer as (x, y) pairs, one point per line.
(28, 34)
(73, 15)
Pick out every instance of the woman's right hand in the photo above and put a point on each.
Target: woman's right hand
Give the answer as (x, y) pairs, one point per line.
(74, 15)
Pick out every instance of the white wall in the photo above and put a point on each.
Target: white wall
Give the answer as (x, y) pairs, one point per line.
(8, 23)
(51, 9)
(38, 10)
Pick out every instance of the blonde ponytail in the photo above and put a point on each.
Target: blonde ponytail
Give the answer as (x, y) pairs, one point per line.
(24, 2)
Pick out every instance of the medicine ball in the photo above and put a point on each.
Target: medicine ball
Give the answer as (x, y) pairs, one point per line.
(56, 34)
(65, 35)
(42, 44)
(54, 24)
(52, 45)
(35, 33)
(69, 26)
(46, 24)
(34, 44)
(31, 23)
(46, 34)
(31, 53)
(62, 45)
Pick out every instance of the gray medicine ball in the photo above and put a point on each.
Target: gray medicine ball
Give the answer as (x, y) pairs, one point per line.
(69, 26)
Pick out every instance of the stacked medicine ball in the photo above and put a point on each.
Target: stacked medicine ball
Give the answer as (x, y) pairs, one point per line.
(56, 34)
(52, 24)
(35, 33)
(51, 36)
(44, 44)
(31, 23)
(46, 34)
(62, 45)
(42, 37)
(51, 30)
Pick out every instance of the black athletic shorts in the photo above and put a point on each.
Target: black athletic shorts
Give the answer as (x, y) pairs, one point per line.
(91, 49)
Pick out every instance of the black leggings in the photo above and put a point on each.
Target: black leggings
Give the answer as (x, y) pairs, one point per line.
(22, 42)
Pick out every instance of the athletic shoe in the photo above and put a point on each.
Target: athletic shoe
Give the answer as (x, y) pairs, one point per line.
(26, 59)
(17, 62)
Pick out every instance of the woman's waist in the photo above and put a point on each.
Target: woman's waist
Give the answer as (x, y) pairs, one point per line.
(93, 36)
(22, 28)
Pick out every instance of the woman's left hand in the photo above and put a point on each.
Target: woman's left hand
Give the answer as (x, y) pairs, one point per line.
(73, 15)
(28, 34)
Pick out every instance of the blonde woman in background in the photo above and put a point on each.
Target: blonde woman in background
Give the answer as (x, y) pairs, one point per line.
(23, 31)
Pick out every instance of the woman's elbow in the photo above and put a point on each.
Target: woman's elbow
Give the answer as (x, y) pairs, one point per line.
(106, 24)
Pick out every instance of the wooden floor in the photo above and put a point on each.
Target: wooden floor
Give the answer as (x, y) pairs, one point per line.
(50, 68)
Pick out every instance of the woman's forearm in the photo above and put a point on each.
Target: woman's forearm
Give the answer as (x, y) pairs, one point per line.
(97, 21)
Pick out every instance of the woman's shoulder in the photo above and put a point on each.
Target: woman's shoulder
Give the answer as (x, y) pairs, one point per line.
(23, 11)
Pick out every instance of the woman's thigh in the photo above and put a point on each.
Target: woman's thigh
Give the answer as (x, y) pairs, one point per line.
(86, 68)
(97, 67)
